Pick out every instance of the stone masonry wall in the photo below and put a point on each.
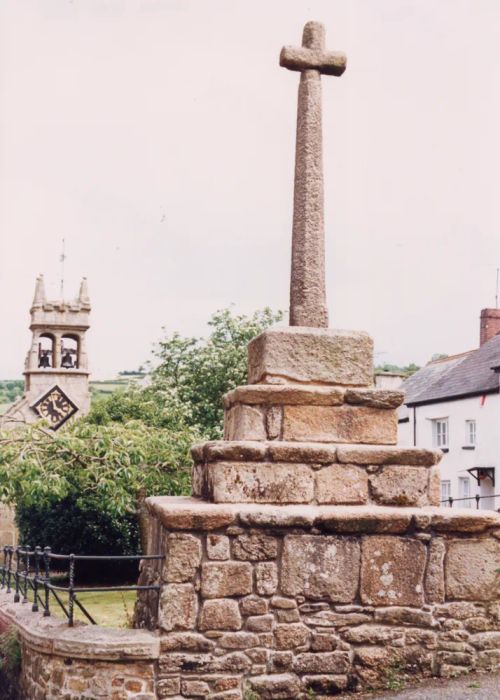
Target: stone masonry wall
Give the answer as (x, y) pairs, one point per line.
(47, 677)
(83, 662)
(282, 600)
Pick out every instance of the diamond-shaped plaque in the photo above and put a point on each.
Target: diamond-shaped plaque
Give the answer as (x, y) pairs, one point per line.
(55, 407)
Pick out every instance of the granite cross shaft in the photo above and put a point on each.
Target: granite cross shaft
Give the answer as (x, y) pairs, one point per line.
(307, 284)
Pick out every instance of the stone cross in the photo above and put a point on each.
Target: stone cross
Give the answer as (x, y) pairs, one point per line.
(307, 283)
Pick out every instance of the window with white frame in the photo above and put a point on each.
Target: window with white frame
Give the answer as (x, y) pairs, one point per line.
(470, 432)
(445, 492)
(440, 432)
(464, 491)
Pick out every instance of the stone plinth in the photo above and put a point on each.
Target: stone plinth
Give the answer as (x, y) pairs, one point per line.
(311, 413)
(311, 355)
(298, 598)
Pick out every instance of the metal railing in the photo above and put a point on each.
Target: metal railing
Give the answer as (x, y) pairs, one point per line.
(26, 572)
(450, 500)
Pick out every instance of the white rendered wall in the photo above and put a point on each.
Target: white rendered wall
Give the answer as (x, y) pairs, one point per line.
(390, 381)
(457, 460)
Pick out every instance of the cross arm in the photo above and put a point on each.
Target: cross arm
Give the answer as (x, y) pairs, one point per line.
(300, 59)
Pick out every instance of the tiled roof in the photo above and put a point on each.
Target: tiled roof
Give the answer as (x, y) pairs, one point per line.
(459, 375)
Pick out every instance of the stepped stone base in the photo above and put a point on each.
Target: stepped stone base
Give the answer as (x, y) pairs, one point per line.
(317, 561)
(311, 413)
(284, 600)
(297, 472)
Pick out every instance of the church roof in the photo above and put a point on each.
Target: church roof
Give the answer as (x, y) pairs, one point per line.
(468, 374)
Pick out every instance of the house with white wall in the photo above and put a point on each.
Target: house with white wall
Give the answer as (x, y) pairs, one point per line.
(454, 404)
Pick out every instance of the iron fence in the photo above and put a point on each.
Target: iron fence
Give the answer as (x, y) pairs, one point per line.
(450, 500)
(26, 572)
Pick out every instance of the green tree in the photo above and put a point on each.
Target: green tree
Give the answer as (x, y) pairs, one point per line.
(157, 406)
(201, 370)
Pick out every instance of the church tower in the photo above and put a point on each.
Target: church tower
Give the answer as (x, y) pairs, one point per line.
(56, 372)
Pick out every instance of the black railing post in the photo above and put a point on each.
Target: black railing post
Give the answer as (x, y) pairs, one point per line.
(34, 607)
(450, 501)
(26, 572)
(10, 551)
(478, 498)
(71, 601)
(46, 564)
(17, 597)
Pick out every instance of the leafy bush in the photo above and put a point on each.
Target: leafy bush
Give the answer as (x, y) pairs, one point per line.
(82, 527)
(202, 370)
(81, 489)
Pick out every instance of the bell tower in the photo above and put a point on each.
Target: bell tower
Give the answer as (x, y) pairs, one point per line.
(56, 372)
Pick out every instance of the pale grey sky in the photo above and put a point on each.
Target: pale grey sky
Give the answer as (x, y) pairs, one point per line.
(157, 137)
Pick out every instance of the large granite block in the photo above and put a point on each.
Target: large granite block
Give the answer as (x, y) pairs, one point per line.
(392, 571)
(471, 567)
(257, 482)
(342, 484)
(321, 567)
(346, 424)
(311, 355)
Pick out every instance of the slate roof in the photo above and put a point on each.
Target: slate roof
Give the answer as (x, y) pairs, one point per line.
(460, 375)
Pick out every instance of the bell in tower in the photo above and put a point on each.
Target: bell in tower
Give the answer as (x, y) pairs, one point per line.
(44, 359)
(67, 360)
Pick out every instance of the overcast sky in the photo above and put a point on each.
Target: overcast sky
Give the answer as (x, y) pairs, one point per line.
(157, 137)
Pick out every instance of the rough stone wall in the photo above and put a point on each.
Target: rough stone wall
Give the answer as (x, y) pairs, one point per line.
(47, 677)
(286, 600)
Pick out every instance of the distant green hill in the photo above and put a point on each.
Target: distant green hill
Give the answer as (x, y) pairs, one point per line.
(10, 391)
(109, 386)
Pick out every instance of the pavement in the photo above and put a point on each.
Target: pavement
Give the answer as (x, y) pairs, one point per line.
(484, 686)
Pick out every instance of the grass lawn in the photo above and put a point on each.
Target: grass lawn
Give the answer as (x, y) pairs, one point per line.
(110, 609)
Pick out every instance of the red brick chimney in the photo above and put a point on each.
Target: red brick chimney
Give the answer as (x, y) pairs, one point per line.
(489, 325)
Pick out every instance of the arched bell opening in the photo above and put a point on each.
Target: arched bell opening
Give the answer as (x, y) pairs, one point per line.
(70, 351)
(46, 342)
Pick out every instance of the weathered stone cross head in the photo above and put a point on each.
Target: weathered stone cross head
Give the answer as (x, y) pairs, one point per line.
(312, 55)
(307, 283)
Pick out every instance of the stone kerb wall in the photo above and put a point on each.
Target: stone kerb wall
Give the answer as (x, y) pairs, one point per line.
(83, 662)
(288, 599)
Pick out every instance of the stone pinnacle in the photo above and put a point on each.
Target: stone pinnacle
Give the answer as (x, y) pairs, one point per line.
(307, 284)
